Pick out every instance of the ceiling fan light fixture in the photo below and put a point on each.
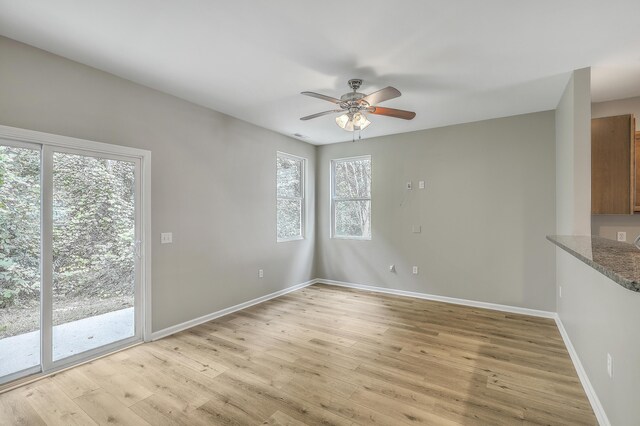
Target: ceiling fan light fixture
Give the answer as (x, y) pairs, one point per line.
(360, 121)
(343, 120)
(352, 122)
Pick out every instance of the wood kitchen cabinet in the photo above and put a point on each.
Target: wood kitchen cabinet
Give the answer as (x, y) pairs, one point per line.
(613, 165)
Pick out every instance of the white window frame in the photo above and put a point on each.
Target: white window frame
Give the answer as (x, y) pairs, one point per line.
(333, 198)
(302, 198)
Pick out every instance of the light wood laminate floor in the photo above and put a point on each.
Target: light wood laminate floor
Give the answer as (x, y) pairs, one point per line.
(325, 355)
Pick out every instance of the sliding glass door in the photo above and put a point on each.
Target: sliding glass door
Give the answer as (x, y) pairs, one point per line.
(19, 259)
(70, 256)
(94, 252)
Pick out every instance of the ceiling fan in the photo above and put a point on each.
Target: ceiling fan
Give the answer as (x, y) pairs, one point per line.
(354, 105)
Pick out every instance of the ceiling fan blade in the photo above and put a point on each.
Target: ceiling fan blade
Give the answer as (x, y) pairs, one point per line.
(392, 112)
(320, 114)
(323, 97)
(381, 95)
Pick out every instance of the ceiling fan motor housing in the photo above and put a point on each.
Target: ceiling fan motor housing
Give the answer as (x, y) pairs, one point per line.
(350, 99)
(352, 96)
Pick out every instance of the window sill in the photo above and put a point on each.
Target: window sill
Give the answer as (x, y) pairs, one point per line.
(285, 240)
(351, 238)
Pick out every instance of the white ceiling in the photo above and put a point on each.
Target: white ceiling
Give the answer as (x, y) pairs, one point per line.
(454, 61)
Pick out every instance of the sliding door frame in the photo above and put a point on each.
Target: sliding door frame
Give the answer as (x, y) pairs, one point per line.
(36, 369)
(48, 144)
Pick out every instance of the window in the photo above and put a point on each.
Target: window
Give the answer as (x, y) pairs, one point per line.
(351, 198)
(290, 197)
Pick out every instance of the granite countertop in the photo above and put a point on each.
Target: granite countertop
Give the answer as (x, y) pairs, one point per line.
(618, 261)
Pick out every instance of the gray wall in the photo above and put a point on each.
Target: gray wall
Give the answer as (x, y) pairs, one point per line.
(601, 317)
(488, 204)
(213, 179)
(573, 157)
(608, 225)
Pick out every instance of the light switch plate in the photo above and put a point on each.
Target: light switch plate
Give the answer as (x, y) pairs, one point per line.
(409, 185)
(166, 238)
(421, 184)
(416, 229)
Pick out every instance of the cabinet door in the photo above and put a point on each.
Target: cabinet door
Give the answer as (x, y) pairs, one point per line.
(612, 180)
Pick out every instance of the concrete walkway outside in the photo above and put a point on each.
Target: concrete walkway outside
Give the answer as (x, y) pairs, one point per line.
(23, 351)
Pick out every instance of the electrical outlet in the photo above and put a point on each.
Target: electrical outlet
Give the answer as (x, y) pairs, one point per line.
(622, 236)
(610, 366)
(392, 268)
(409, 185)
(421, 184)
(166, 238)
(415, 270)
(260, 273)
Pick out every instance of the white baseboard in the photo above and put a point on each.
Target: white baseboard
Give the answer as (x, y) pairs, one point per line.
(197, 321)
(598, 409)
(445, 299)
(200, 320)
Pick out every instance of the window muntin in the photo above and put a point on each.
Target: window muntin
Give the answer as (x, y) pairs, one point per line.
(351, 198)
(290, 174)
